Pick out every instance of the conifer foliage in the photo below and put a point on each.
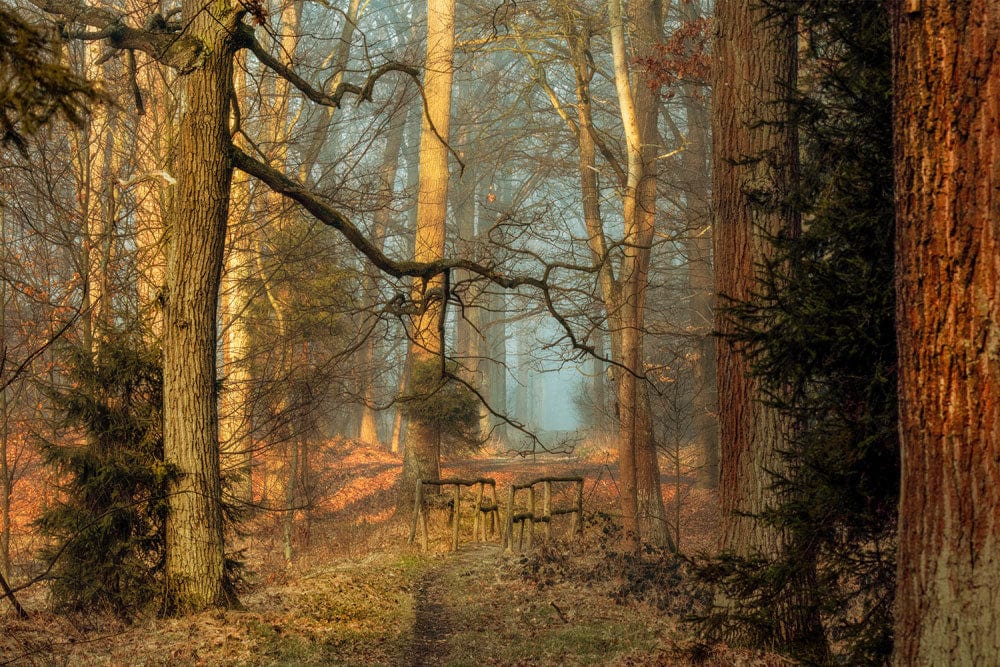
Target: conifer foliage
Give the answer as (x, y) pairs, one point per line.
(35, 85)
(821, 334)
(445, 403)
(108, 528)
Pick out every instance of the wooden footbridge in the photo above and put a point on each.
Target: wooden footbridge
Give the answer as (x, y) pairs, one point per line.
(522, 508)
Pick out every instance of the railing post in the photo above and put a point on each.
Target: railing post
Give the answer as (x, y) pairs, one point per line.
(508, 537)
(531, 516)
(477, 518)
(495, 514)
(416, 511)
(547, 508)
(455, 504)
(579, 508)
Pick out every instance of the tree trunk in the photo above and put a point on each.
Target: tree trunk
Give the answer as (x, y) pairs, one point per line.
(754, 170)
(648, 16)
(946, 64)
(6, 473)
(468, 324)
(235, 420)
(493, 366)
(368, 431)
(421, 458)
(642, 499)
(755, 64)
(195, 557)
(698, 247)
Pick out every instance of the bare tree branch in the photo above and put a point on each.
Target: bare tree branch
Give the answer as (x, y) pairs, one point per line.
(169, 47)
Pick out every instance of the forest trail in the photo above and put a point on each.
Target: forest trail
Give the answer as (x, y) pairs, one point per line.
(434, 620)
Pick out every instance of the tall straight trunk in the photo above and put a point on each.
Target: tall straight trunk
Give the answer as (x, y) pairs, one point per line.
(97, 168)
(700, 282)
(400, 422)
(754, 170)
(946, 64)
(6, 473)
(522, 408)
(598, 382)
(698, 247)
(648, 15)
(755, 65)
(387, 177)
(195, 557)
(468, 320)
(421, 459)
(235, 420)
(642, 499)
(493, 366)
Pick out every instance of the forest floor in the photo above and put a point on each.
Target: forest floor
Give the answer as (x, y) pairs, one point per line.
(356, 593)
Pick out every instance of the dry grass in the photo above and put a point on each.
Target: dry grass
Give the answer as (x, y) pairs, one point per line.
(349, 595)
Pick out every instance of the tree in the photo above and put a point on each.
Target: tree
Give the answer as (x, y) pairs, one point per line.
(421, 455)
(753, 161)
(820, 334)
(108, 531)
(755, 153)
(642, 501)
(946, 112)
(38, 87)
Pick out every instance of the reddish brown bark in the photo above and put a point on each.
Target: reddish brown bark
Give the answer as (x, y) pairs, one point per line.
(755, 62)
(947, 136)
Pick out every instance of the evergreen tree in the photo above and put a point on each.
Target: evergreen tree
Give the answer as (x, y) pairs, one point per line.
(445, 404)
(35, 85)
(108, 527)
(822, 338)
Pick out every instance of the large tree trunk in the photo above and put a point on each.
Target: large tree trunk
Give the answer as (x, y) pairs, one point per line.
(754, 170)
(755, 64)
(947, 149)
(421, 458)
(195, 558)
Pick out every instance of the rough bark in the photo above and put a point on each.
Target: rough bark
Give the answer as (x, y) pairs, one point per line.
(195, 558)
(753, 158)
(946, 64)
(421, 458)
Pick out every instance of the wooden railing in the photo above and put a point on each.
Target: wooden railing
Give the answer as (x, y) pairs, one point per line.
(530, 518)
(485, 510)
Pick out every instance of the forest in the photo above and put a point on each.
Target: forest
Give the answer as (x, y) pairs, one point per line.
(500, 332)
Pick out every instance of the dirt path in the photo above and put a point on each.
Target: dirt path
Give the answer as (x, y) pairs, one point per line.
(435, 621)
